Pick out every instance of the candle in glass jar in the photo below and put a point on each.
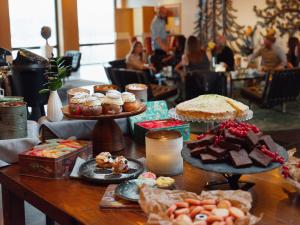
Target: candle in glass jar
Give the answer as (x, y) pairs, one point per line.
(163, 152)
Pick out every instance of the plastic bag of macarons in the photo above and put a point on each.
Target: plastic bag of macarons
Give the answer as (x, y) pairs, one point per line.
(176, 207)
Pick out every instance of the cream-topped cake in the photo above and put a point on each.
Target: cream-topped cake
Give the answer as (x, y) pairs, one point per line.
(212, 106)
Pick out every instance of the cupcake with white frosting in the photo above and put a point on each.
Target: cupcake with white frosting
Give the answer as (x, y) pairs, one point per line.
(99, 96)
(92, 107)
(76, 103)
(113, 102)
(130, 102)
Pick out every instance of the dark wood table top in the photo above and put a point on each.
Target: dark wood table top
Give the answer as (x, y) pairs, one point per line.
(70, 201)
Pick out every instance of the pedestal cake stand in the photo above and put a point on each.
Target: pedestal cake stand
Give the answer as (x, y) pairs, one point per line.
(107, 135)
(232, 175)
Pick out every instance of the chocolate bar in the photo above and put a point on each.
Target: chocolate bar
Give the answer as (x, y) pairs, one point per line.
(240, 158)
(197, 151)
(208, 158)
(206, 140)
(216, 150)
(229, 145)
(268, 141)
(260, 158)
(234, 139)
(252, 138)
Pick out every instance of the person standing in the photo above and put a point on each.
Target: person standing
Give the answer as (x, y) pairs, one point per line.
(159, 37)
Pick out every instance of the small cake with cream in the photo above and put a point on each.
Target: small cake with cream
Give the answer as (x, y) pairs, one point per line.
(112, 103)
(104, 160)
(130, 102)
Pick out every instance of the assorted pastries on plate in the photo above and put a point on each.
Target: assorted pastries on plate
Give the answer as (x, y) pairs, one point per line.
(291, 170)
(212, 107)
(205, 212)
(239, 144)
(113, 102)
(54, 148)
(118, 165)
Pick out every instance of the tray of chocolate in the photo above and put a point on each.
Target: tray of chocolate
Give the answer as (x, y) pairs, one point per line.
(235, 148)
(106, 169)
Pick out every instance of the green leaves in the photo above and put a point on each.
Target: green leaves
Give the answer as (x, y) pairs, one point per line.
(56, 72)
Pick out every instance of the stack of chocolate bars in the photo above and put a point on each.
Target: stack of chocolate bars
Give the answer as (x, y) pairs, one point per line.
(228, 144)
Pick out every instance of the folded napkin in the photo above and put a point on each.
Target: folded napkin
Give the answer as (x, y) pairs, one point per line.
(10, 148)
(81, 129)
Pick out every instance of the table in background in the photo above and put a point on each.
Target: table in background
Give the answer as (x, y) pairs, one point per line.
(71, 202)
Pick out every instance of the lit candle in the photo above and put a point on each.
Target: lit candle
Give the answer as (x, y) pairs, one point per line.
(163, 152)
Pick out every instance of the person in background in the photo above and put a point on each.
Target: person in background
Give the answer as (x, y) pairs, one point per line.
(178, 49)
(159, 37)
(273, 57)
(224, 54)
(194, 57)
(292, 55)
(135, 59)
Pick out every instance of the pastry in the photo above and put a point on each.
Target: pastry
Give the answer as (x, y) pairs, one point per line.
(76, 91)
(165, 182)
(104, 160)
(112, 103)
(76, 103)
(130, 102)
(120, 165)
(212, 107)
(99, 96)
(92, 107)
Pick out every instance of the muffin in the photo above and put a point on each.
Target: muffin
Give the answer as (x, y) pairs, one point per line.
(77, 91)
(130, 102)
(92, 107)
(104, 160)
(99, 96)
(112, 103)
(76, 103)
(120, 165)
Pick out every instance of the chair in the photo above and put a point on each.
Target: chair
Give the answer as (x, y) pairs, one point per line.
(76, 57)
(199, 82)
(280, 87)
(119, 63)
(27, 81)
(122, 77)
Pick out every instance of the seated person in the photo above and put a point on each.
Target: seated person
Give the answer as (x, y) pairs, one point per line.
(224, 54)
(292, 55)
(135, 60)
(194, 57)
(178, 50)
(272, 55)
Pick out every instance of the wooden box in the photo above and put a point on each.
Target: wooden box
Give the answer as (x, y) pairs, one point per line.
(60, 167)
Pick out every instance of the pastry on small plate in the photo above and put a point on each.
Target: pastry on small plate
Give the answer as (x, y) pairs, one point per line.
(104, 160)
(112, 103)
(130, 102)
(120, 165)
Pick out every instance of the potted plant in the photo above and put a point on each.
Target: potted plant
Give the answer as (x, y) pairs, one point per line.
(55, 74)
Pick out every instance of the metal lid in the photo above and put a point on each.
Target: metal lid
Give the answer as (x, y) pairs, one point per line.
(163, 134)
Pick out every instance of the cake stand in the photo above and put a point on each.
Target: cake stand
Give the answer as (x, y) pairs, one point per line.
(210, 123)
(231, 174)
(107, 135)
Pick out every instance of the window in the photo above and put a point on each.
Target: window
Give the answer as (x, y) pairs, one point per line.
(26, 20)
(96, 30)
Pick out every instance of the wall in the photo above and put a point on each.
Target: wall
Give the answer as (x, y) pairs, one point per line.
(5, 26)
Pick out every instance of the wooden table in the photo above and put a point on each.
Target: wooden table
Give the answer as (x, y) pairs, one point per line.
(77, 202)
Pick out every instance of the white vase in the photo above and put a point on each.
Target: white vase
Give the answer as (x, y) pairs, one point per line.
(54, 112)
